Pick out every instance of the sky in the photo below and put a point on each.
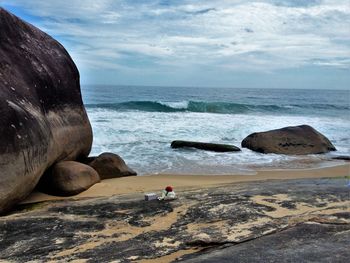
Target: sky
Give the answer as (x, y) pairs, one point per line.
(226, 43)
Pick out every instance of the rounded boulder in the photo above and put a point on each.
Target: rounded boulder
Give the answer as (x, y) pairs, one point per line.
(68, 178)
(110, 165)
(296, 140)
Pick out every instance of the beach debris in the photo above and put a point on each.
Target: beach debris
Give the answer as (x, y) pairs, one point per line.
(150, 196)
(214, 147)
(168, 194)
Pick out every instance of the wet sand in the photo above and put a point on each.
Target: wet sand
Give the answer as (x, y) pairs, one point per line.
(149, 183)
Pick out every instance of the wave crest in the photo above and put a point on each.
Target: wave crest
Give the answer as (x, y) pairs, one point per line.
(207, 107)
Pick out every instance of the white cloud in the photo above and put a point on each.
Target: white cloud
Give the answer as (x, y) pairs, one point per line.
(234, 35)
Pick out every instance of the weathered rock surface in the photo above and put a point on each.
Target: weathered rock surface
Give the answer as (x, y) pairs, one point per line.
(269, 217)
(110, 165)
(301, 139)
(306, 242)
(43, 119)
(215, 147)
(68, 178)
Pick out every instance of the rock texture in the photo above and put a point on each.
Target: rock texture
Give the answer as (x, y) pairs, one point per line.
(289, 140)
(110, 165)
(68, 178)
(43, 119)
(275, 219)
(215, 147)
(306, 242)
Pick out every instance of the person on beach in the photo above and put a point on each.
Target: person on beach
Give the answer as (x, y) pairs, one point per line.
(167, 194)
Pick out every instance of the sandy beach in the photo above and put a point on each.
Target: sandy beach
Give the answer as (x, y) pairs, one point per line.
(148, 183)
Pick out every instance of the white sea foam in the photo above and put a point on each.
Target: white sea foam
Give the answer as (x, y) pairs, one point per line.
(175, 104)
(143, 139)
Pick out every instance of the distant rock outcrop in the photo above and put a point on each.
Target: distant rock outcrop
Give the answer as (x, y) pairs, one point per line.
(43, 119)
(342, 157)
(215, 147)
(68, 178)
(110, 165)
(289, 140)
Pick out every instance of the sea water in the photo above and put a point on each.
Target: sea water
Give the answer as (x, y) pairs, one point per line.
(139, 123)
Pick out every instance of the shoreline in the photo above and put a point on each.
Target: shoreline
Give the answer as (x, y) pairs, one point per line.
(149, 183)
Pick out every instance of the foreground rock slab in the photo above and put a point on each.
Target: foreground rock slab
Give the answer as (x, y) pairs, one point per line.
(301, 139)
(215, 147)
(306, 242)
(43, 119)
(195, 225)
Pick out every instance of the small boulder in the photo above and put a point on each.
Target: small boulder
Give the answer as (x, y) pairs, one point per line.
(301, 139)
(110, 165)
(215, 147)
(68, 178)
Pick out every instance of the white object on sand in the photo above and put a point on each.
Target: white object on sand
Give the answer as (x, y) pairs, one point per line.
(150, 196)
(167, 195)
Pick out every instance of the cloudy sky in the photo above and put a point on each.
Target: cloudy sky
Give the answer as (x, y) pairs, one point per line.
(231, 43)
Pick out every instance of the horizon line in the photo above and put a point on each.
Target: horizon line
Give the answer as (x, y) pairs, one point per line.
(218, 87)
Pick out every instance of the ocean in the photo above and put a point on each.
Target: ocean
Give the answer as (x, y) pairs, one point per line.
(139, 123)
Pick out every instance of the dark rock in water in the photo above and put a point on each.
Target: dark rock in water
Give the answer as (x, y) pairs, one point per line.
(68, 178)
(110, 165)
(289, 140)
(43, 119)
(342, 157)
(215, 147)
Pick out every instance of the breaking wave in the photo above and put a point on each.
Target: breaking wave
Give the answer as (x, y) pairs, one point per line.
(210, 107)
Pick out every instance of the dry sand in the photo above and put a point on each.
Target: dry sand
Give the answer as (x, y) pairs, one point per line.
(148, 183)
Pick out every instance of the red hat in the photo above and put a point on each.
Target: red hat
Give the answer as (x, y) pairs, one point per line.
(168, 188)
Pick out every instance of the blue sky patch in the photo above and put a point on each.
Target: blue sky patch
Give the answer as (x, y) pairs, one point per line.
(294, 44)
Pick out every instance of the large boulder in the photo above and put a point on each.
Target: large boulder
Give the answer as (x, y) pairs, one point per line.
(110, 165)
(214, 147)
(289, 140)
(43, 119)
(68, 178)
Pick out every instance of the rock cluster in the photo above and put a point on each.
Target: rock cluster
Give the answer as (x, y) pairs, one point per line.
(68, 178)
(292, 140)
(43, 120)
